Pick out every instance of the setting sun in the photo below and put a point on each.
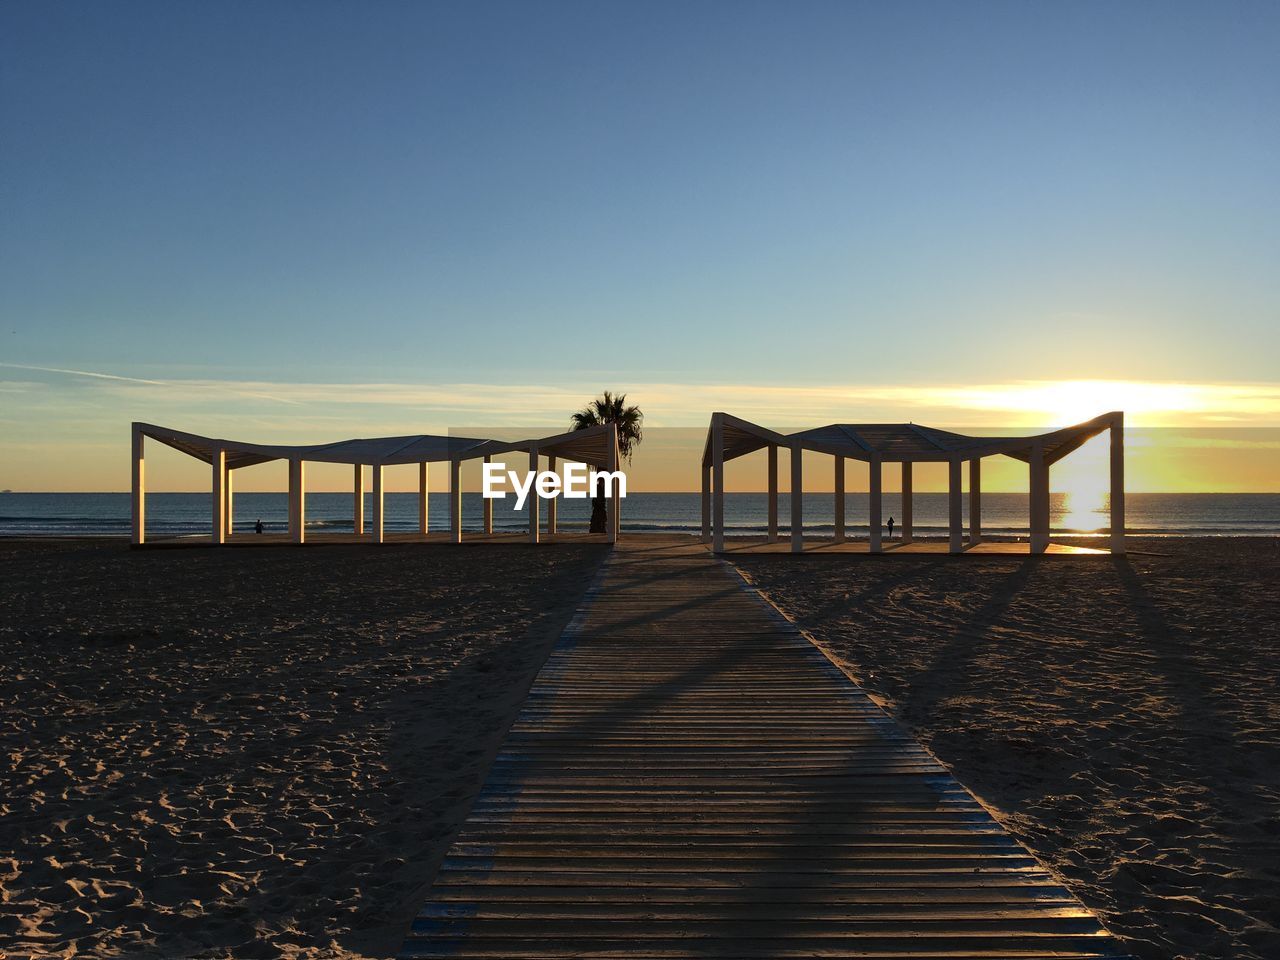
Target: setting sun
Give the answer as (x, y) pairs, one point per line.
(539, 479)
(1063, 402)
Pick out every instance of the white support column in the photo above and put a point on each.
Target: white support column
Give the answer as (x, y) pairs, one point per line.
(1117, 483)
(455, 500)
(797, 498)
(706, 503)
(424, 493)
(717, 483)
(615, 508)
(907, 534)
(955, 505)
(139, 490)
(297, 500)
(379, 504)
(357, 500)
(486, 505)
(228, 508)
(553, 518)
(839, 499)
(1039, 500)
(773, 493)
(875, 469)
(219, 496)
(534, 502)
(975, 501)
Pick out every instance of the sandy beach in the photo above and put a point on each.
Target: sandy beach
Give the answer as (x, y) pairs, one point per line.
(260, 753)
(251, 753)
(1119, 716)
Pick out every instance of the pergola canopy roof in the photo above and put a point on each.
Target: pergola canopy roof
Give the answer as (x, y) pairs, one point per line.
(909, 442)
(590, 446)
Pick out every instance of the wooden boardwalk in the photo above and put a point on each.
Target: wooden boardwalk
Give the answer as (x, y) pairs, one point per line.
(690, 777)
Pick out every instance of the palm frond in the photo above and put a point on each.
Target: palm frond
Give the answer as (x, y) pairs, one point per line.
(612, 408)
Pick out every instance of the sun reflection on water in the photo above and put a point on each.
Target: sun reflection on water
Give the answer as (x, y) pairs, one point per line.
(1085, 511)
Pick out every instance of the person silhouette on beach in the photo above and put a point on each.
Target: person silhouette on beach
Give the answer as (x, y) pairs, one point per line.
(891, 528)
(257, 527)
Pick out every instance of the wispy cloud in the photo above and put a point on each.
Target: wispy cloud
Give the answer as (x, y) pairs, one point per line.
(373, 407)
(73, 423)
(238, 406)
(19, 386)
(82, 373)
(226, 386)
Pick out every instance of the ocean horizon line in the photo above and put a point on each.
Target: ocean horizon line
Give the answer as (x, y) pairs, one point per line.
(648, 493)
(746, 513)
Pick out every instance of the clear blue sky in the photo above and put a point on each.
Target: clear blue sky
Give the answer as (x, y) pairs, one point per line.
(418, 191)
(486, 212)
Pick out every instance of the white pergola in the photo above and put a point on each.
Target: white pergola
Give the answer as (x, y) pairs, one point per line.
(730, 437)
(594, 446)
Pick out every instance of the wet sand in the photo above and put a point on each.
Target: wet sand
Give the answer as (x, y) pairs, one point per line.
(252, 753)
(1121, 717)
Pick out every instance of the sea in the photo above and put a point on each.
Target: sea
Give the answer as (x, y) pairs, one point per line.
(188, 514)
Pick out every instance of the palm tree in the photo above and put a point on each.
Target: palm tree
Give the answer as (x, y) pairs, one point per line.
(605, 409)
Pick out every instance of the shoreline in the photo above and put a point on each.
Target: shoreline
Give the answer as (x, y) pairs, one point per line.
(246, 539)
(1004, 515)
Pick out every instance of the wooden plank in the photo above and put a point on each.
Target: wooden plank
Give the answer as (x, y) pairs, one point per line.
(691, 777)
